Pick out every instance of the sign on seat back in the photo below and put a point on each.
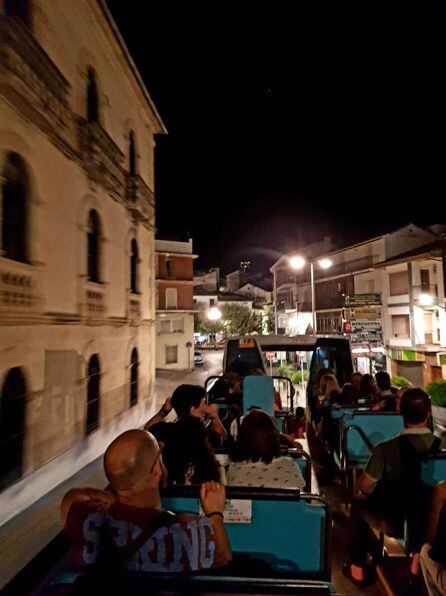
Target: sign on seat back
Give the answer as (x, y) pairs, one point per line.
(285, 531)
(258, 391)
(433, 470)
(376, 427)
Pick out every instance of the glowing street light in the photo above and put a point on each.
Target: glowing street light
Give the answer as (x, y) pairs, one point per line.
(297, 262)
(325, 263)
(425, 299)
(214, 314)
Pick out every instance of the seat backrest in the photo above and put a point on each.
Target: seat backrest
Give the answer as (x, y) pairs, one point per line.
(376, 426)
(258, 391)
(286, 531)
(433, 469)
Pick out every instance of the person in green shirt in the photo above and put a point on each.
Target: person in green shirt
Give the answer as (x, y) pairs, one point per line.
(391, 488)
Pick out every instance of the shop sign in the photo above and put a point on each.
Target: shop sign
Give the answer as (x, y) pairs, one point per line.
(365, 312)
(365, 331)
(270, 356)
(407, 355)
(362, 299)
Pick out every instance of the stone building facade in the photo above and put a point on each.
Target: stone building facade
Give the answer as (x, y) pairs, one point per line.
(77, 315)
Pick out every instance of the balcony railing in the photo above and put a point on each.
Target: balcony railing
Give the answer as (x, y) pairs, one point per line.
(140, 199)
(102, 158)
(29, 71)
(95, 300)
(17, 288)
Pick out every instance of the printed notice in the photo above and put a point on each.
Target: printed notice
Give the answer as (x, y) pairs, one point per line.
(238, 511)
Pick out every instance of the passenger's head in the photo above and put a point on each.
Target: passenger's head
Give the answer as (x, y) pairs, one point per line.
(258, 438)
(328, 385)
(300, 412)
(368, 387)
(189, 400)
(321, 373)
(415, 407)
(383, 380)
(355, 380)
(132, 463)
(348, 394)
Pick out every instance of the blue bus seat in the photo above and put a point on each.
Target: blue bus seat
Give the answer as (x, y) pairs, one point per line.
(258, 391)
(374, 426)
(288, 530)
(433, 469)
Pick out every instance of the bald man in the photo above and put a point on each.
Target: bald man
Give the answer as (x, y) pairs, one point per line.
(130, 520)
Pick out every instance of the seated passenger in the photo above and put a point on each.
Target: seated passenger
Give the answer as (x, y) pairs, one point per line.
(355, 380)
(258, 460)
(126, 529)
(386, 398)
(433, 553)
(392, 488)
(299, 423)
(189, 401)
(328, 389)
(348, 395)
(368, 389)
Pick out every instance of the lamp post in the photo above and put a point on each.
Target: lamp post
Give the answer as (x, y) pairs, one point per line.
(214, 315)
(297, 262)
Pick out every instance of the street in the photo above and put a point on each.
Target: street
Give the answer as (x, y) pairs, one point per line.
(25, 535)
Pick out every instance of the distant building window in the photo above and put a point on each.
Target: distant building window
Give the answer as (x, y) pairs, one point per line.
(177, 325)
(400, 326)
(172, 326)
(211, 301)
(93, 394)
(134, 366)
(171, 354)
(134, 266)
(132, 154)
(93, 246)
(20, 9)
(165, 326)
(171, 298)
(12, 427)
(15, 191)
(92, 97)
(169, 269)
(399, 283)
(425, 279)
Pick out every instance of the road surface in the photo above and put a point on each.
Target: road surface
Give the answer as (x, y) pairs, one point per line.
(25, 535)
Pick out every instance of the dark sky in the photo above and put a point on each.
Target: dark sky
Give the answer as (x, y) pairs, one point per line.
(292, 121)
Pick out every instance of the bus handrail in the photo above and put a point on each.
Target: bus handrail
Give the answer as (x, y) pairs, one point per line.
(363, 436)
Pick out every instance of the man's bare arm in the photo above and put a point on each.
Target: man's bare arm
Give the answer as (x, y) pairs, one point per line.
(159, 416)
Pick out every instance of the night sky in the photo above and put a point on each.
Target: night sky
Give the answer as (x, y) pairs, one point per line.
(292, 121)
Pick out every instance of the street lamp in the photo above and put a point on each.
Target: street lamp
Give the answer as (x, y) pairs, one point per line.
(298, 262)
(214, 314)
(425, 299)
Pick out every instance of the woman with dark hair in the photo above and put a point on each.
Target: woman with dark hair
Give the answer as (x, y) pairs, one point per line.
(188, 456)
(368, 388)
(258, 460)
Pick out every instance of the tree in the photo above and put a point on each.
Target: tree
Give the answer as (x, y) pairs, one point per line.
(238, 319)
(203, 325)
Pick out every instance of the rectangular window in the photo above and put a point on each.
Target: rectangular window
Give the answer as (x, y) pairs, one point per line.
(211, 301)
(165, 326)
(177, 325)
(170, 270)
(399, 283)
(401, 326)
(171, 354)
(171, 298)
(425, 279)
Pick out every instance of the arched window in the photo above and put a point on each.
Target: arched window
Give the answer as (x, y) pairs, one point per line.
(15, 190)
(134, 365)
(94, 247)
(93, 393)
(132, 154)
(20, 9)
(134, 266)
(92, 97)
(12, 427)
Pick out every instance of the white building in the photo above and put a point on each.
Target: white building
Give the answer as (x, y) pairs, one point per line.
(77, 333)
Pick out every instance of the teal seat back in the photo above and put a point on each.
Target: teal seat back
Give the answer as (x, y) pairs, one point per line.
(258, 391)
(287, 534)
(377, 427)
(433, 470)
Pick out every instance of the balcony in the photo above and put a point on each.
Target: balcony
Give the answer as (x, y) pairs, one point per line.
(30, 79)
(18, 288)
(95, 300)
(101, 157)
(140, 199)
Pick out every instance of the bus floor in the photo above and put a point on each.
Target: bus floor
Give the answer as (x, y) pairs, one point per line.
(392, 579)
